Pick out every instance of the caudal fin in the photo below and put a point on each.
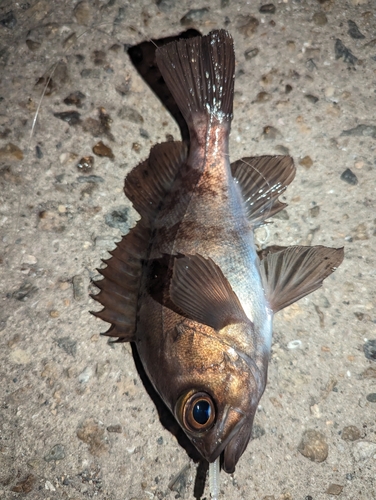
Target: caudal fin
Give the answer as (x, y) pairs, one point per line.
(200, 74)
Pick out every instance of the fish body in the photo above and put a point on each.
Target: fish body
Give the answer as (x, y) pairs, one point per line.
(186, 285)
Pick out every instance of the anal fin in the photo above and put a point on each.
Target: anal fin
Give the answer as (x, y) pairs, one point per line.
(262, 179)
(290, 274)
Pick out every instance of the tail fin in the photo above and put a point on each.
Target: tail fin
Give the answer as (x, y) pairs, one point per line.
(200, 74)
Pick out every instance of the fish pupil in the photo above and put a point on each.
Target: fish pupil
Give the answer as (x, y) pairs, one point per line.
(201, 412)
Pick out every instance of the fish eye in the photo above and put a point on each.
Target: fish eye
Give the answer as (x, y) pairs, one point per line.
(196, 411)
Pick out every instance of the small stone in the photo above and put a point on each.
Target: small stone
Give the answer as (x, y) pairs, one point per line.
(311, 98)
(334, 489)
(350, 433)
(179, 482)
(251, 53)
(263, 97)
(270, 132)
(364, 450)
(314, 211)
(118, 219)
(79, 290)
(56, 453)
(130, 114)
(26, 485)
(86, 164)
(371, 398)
(54, 313)
(288, 89)
(75, 99)
(11, 152)
(369, 349)
(49, 486)
(314, 446)
(91, 432)
(361, 130)
(193, 16)
(115, 428)
(349, 177)
(101, 149)
(20, 357)
(38, 152)
(9, 20)
(319, 18)
(257, 431)
(160, 440)
(354, 31)
(291, 45)
(82, 13)
(86, 375)
(71, 117)
(69, 345)
(70, 41)
(342, 51)
(32, 45)
(369, 373)
(94, 179)
(136, 146)
(26, 291)
(94, 73)
(268, 8)
(247, 25)
(165, 5)
(98, 57)
(306, 162)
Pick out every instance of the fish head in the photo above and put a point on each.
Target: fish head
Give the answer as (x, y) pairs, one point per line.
(217, 392)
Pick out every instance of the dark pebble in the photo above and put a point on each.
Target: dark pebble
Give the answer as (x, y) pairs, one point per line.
(9, 20)
(25, 485)
(268, 8)
(314, 211)
(26, 291)
(160, 440)
(130, 114)
(180, 481)
(95, 179)
(193, 16)
(75, 99)
(334, 489)
(105, 119)
(165, 5)
(270, 132)
(32, 45)
(251, 53)
(91, 73)
(319, 18)
(86, 164)
(362, 129)
(311, 98)
(354, 31)
(247, 25)
(118, 218)
(98, 57)
(371, 397)
(38, 152)
(342, 51)
(56, 453)
(257, 431)
(369, 348)
(288, 89)
(144, 133)
(115, 428)
(350, 433)
(101, 149)
(314, 446)
(349, 177)
(71, 117)
(68, 345)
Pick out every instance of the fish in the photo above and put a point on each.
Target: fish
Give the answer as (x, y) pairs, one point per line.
(187, 286)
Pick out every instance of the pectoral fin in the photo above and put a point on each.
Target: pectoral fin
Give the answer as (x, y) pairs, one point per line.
(291, 274)
(199, 288)
(262, 179)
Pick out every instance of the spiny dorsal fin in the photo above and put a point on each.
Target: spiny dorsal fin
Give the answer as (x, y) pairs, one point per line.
(262, 179)
(292, 273)
(120, 287)
(199, 288)
(199, 73)
(147, 184)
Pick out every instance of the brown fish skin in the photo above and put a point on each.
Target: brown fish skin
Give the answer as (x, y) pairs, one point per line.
(186, 284)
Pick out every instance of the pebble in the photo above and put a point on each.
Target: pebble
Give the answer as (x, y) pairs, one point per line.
(371, 397)
(91, 432)
(268, 8)
(314, 211)
(319, 18)
(354, 31)
(349, 177)
(311, 98)
(361, 129)
(130, 114)
(313, 445)
(38, 152)
(86, 164)
(247, 25)
(71, 117)
(341, 51)
(257, 432)
(294, 344)
(9, 20)
(165, 5)
(334, 489)
(364, 450)
(369, 349)
(251, 53)
(26, 291)
(118, 219)
(25, 485)
(33, 45)
(306, 162)
(193, 15)
(179, 482)
(75, 99)
(79, 290)
(100, 149)
(86, 375)
(20, 357)
(82, 13)
(94, 179)
(56, 453)
(369, 373)
(263, 97)
(270, 132)
(68, 345)
(11, 152)
(91, 73)
(350, 433)
(117, 428)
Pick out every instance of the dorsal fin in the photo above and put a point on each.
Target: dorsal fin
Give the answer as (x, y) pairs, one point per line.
(199, 73)
(262, 179)
(120, 286)
(147, 184)
(292, 273)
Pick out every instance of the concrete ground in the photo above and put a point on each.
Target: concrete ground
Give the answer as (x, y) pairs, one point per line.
(75, 419)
